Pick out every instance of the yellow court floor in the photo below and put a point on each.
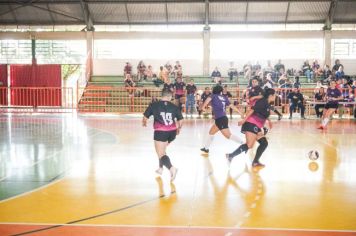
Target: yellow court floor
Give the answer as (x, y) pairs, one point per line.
(96, 174)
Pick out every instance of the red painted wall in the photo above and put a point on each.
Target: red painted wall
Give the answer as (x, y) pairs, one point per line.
(3, 85)
(44, 76)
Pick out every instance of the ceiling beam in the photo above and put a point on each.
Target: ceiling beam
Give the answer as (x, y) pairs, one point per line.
(246, 14)
(207, 13)
(28, 3)
(127, 14)
(56, 12)
(13, 13)
(86, 15)
(154, 1)
(287, 13)
(330, 17)
(166, 6)
(50, 14)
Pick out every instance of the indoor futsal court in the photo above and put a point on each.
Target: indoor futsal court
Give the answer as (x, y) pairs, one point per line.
(80, 175)
(178, 117)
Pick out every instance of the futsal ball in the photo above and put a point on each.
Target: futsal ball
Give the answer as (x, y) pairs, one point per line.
(313, 155)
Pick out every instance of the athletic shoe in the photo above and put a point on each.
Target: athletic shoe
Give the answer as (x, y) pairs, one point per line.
(173, 171)
(204, 150)
(265, 130)
(228, 158)
(303, 117)
(159, 171)
(280, 117)
(258, 164)
(290, 117)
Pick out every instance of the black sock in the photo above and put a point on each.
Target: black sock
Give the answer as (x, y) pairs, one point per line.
(263, 145)
(166, 162)
(160, 163)
(242, 148)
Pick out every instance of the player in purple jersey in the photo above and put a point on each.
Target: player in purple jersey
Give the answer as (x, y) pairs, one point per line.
(165, 115)
(333, 96)
(252, 127)
(219, 103)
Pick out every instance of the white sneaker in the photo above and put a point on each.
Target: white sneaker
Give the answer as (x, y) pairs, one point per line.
(159, 171)
(173, 171)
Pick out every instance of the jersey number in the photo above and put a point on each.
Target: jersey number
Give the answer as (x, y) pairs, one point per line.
(224, 105)
(167, 118)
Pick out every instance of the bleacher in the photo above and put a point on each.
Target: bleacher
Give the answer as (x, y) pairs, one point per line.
(108, 94)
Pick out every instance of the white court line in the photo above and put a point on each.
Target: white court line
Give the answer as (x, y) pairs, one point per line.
(179, 226)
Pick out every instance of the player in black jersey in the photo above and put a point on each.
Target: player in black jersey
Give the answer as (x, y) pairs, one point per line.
(168, 86)
(165, 115)
(179, 86)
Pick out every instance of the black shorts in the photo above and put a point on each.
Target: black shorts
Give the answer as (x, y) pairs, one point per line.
(250, 127)
(222, 123)
(178, 96)
(165, 136)
(331, 105)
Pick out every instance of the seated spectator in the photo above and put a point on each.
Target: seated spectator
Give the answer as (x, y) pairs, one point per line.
(128, 69)
(326, 73)
(216, 76)
(339, 84)
(285, 90)
(163, 74)
(157, 81)
(247, 71)
(296, 100)
(129, 85)
(141, 68)
(307, 71)
(149, 72)
(203, 97)
(279, 67)
(268, 82)
(317, 70)
(168, 68)
(320, 96)
(340, 73)
(336, 66)
(256, 69)
(297, 84)
(191, 91)
(178, 71)
(268, 68)
(282, 79)
(232, 72)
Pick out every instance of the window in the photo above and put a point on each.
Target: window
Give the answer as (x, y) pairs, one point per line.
(264, 49)
(61, 51)
(343, 48)
(149, 49)
(15, 51)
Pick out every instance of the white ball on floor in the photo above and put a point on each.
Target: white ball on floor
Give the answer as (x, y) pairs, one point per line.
(313, 155)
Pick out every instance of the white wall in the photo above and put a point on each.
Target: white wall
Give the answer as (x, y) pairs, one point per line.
(116, 66)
